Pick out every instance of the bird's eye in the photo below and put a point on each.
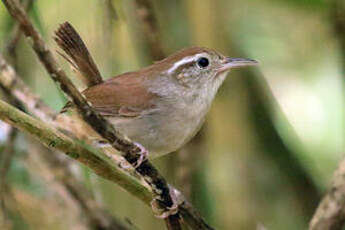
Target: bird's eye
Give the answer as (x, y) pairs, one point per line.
(203, 62)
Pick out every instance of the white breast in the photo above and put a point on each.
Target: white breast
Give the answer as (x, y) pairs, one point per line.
(176, 118)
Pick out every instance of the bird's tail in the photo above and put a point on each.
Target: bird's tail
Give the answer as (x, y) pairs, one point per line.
(77, 54)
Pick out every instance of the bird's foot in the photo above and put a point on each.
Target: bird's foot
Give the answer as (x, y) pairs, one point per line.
(163, 213)
(169, 211)
(143, 155)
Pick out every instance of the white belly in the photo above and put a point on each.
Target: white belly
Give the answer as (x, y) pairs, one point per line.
(162, 132)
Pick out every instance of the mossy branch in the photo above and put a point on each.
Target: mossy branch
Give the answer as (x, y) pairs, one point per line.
(86, 155)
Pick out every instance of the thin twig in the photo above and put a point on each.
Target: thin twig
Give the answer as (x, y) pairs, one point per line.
(130, 150)
(15, 35)
(330, 213)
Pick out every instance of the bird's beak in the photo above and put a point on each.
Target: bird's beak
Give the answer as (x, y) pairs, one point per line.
(230, 63)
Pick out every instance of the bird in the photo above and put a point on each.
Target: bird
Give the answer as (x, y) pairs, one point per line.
(162, 106)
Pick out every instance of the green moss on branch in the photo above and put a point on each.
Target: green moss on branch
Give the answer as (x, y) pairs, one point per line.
(93, 159)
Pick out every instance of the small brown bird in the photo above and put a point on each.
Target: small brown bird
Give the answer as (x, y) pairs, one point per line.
(161, 106)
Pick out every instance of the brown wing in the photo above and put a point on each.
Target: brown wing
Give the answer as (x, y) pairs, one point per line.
(123, 95)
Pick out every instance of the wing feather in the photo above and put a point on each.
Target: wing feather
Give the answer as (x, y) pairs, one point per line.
(123, 95)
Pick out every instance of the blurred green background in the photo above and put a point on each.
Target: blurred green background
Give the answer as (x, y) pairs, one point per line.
(274, 134)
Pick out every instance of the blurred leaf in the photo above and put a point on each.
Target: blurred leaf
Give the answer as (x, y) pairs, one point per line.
(314, 4)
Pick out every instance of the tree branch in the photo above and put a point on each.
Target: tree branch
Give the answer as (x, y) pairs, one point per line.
(102, 165)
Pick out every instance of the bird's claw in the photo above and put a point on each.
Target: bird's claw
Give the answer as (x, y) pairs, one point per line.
(177, 200)
(143, 155)
(163, 213)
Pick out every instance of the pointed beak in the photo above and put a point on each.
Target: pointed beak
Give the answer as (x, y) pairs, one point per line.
(236, 63)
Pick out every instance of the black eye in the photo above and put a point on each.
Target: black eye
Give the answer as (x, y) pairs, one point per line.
(203, 62)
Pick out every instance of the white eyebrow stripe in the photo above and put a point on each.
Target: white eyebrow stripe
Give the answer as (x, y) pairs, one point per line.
(184, 61)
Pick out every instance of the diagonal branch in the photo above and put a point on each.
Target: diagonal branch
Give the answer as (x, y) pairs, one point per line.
(93, 159)
(16, 34)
